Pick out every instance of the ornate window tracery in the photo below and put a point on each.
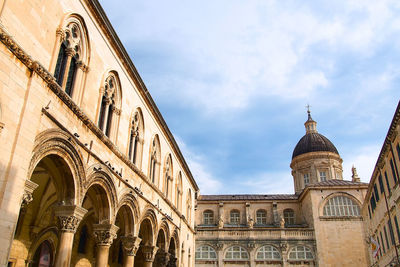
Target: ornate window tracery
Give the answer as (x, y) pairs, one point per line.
(179, 192)
(136, 138)
(168, 177)
(341, 206)
(154, 160)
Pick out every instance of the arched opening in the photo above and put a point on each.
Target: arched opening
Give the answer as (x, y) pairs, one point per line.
(162, 256)
(173, 257)
(51, 184)
(146, 235)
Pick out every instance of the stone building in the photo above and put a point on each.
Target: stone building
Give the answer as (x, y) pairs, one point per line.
(381, 206)
(319, 225)
(90, 174)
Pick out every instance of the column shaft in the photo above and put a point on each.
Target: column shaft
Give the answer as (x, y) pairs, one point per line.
(102, 255)
(64, 250)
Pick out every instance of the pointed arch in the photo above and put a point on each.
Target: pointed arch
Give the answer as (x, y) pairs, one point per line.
(110, 102)
(136, 138)
(155, 159)
(189, 206)
(168, 176)
(178, 192)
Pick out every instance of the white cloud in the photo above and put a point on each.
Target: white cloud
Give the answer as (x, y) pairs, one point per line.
(205, 180)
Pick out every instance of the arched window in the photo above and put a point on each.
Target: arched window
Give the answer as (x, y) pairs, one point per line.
(178, 192)
(235, 217)
(136, 138)
(44, 255)
(236, 253)
(300, 253)
(110, 103)
(168, 176)
(189, 205)
(205, 253)
(268, 252)
(288, 215)
(341, 206)
(154, 160)
(72, 54)
(261, 217)
(208, 217)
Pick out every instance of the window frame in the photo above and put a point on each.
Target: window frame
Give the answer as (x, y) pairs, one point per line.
(263, 217)
(234, 217)
(210, 250)
(306, 250)
(241, 250)
(289, 220)
(341, 206)
(273, 251)
(209, 219)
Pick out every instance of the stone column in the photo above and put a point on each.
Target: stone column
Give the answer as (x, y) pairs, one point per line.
(80, 70)
(149, 253)
(104, 235)
(70, 54)
(131, 245)
(284, 251)
(69, 218)
(220, 254)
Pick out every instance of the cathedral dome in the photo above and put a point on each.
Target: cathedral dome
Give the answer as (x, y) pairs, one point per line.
(313, 141)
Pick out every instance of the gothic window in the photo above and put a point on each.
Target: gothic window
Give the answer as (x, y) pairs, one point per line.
(154, 160)
(288, 216)
(189, 205)
(341, 206)
(261, 217)
(72, 54)
(205, 253)
(322, 176)
(236, 253)
(168, 176)
(178, 194)
(136, 138)
(109, 106)
(208, 217)
(300, 253)
(235, 217)
(268, 252)
(306, 178)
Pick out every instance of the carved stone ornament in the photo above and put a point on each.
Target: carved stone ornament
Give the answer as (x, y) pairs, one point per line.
(1, 126)
(130, 244)
(69, 217)
(219, 246)
(105, 234)
(162, 258)
(251, 245)
(28, 191)
(283, 246)
(172, 261)
(149, 252)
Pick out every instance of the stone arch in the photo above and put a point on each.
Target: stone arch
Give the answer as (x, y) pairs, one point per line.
(335, 194)
(273, 253)
(150, 215)
(154, 160)
(167, 177)
(128, 199)
(136, 137)
(61, 144)
(50, 235)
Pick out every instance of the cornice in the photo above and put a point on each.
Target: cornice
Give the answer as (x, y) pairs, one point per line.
(316, 155)
(101, 18)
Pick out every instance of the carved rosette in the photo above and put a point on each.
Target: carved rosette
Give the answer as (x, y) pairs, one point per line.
(130, 244)
(105, 234)
(149, 252)
(69, 217)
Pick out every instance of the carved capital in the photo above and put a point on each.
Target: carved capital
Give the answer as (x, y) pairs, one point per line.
(162, 258)
(105, 234)
(70, 52)
(149, 252)
(82, 66)
(130, 244)
(69, 217)
(60, 33)
(116, 110)
(219, 246)
(283, 246)
(28, 191)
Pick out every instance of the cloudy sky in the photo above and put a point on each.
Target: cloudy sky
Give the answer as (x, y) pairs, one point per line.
(232, 78)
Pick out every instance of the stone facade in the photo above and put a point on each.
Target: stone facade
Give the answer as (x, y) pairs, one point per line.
(381, 207)
(319, 225)
(90, 175)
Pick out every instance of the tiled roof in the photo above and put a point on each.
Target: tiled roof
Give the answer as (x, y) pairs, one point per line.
(248, 197)
(335, 182)
(313, 142)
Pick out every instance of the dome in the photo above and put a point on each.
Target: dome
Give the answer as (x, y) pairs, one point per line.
(313, 142)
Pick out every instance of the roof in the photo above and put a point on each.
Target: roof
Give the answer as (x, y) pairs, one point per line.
(313, 142)
(248, 197)
(335, 182)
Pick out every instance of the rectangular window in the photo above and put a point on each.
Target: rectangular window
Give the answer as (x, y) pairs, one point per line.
(391, 232)
(322, 176)
(386, 237)
(397, 228)
(373, 203)
(306, 179)
(369, 211)
(376, 193)
(393, 171)
(398, 151)
(381, 184)
(383, 244)
(387, 182)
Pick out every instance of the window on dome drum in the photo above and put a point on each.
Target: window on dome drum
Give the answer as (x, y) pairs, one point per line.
(268, 253)
(235, 217)
(300, 253)
(341, 206)
(288, 216)
(306, 178)
(236, 253)
(205, 253)
(322, 176)
(208, 217)
(261, 217)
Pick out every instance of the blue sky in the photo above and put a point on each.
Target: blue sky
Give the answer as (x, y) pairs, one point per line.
(232, 78)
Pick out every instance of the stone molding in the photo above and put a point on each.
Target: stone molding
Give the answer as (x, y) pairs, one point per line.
(28, 192)
(130, 244)
(69, 217)
(105, 234)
